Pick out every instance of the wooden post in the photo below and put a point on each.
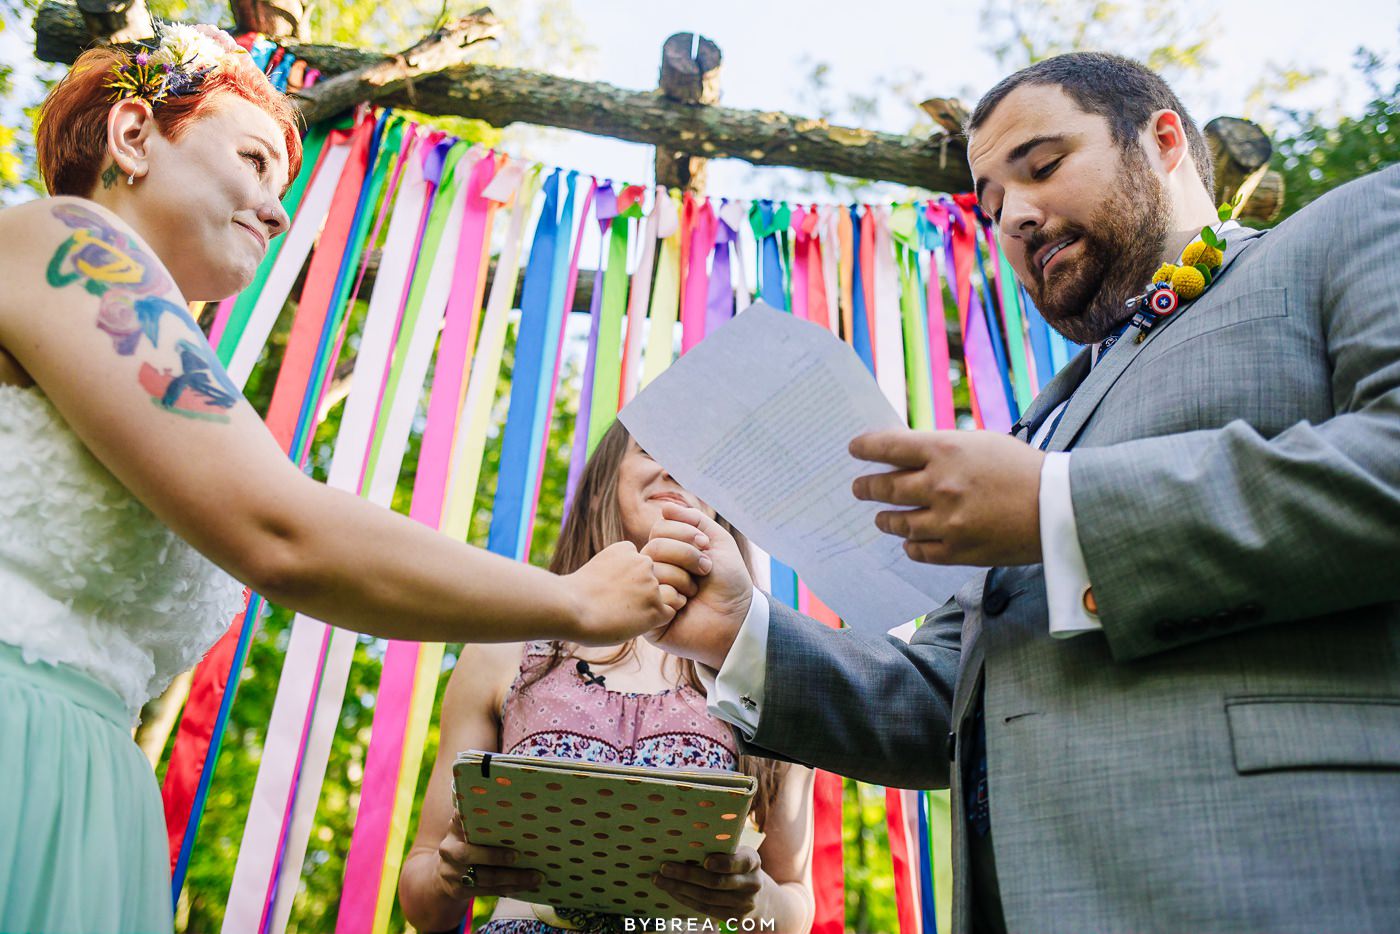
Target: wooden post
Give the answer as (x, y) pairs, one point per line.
(280, 19)
(1263, 204)
(116, 20)
(687, 79)
(1241, 151)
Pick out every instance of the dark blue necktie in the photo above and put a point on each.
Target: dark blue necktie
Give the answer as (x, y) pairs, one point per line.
(979, 814)
(1108, 342)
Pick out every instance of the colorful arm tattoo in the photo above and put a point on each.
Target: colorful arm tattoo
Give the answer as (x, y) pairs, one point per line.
(129, 285)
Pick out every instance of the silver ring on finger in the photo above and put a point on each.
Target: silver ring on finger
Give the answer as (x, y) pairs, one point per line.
(469, 878)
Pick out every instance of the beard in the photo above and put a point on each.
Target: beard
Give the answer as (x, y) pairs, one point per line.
(1084, 297)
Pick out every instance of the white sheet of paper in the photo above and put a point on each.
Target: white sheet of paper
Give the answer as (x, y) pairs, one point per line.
(756, 421)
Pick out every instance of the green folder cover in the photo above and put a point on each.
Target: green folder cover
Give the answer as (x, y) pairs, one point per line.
(597, 832)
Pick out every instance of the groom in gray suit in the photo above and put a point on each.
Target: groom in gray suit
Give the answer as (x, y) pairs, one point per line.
(1173, 703)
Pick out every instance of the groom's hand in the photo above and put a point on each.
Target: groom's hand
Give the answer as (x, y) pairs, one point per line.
(695, 555)
(970, 497)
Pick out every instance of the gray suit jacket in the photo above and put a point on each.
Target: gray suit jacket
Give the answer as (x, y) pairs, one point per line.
(1225, 755)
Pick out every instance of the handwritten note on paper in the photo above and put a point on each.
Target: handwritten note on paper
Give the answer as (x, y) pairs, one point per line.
(756, 421)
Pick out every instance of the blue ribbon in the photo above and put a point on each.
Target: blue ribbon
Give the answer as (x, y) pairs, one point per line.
(279, 75)
(261, 52)
(1040, 340)
(553, 331)
(926, 893)
(782, 583)
(216, 740)
(860, 324)
(508, 519)
(772, 288)
(989, 310)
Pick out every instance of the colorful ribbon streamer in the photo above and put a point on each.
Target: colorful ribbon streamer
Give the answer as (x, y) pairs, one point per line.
(873, 274)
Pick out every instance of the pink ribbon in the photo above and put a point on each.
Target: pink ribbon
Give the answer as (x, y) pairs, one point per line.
(944, 416)
(697, 280)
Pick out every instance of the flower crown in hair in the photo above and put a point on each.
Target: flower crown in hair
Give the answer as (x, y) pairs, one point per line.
(173, 64)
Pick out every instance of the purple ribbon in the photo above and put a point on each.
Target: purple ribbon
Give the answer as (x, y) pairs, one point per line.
(605, 204)
(719, 305)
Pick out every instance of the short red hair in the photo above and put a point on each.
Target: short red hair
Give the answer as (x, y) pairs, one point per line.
(71, 136)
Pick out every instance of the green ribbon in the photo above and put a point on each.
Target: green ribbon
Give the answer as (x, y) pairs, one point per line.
(903, 230)
(607, 370)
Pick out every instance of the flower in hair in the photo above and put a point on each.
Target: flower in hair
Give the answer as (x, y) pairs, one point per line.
(188, 48)
(174, 64)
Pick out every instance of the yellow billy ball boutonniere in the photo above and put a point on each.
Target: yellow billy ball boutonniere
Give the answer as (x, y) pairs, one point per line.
(1186, 281)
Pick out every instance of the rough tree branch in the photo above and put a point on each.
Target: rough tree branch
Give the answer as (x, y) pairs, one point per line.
(502, 96)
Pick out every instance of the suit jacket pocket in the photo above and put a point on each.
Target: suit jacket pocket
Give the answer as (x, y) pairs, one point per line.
(1238, 309)
(1311, 732)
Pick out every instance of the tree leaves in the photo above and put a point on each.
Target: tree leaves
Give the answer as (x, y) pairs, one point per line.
(1319, 152)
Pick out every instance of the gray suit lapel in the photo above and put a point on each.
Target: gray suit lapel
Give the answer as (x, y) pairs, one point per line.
(1060, 388)
(1102, 377)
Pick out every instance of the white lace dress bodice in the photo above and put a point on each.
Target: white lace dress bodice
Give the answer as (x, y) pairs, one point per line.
(89, 577)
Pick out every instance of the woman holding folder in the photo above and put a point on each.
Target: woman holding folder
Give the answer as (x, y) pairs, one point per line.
(630, 704)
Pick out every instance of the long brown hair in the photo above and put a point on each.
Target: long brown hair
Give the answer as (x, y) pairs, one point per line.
(594, 523)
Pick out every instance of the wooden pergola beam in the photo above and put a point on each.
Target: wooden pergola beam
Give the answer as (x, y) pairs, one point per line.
(445, 46)
(502, 96)
(431, 79)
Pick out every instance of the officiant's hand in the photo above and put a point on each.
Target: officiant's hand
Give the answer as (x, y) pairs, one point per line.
(466, 870)
(969, 497)
(724, 886)
(694, 555)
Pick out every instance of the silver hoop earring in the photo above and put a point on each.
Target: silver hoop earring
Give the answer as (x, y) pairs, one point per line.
(131, 179)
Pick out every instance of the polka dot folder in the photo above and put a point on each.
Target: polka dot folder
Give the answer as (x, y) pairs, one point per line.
(597, 832)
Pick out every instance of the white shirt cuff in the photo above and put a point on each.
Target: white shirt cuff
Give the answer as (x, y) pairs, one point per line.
(1066, 577)
(733, 693)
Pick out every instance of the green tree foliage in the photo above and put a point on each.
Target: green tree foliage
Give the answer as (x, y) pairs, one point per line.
(1171, 38)
(22, 83)
(870, 903)
(1316, 151)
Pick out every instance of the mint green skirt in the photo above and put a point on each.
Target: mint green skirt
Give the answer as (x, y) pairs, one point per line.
(82, 833)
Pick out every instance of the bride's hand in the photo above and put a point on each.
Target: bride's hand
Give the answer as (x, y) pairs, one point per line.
(616, 596)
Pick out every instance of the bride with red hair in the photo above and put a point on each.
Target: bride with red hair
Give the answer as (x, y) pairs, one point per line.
(137, 487)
